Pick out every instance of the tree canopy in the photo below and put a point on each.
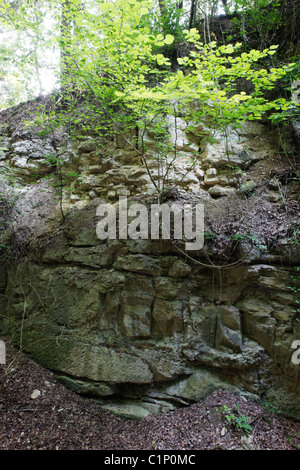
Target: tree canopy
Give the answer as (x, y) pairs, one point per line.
(136, 62)
(42, 42)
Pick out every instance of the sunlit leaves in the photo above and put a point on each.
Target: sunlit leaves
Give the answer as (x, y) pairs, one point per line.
(114, 54)
(161, 60)
(240, 97)
(106, 7)
(191, 35)
(169, 39)
(211, 77)
(160, 40)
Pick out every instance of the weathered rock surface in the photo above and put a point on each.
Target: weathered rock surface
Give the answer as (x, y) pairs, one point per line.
(136, 318)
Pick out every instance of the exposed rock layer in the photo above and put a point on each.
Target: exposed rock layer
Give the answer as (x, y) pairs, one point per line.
(137, 318)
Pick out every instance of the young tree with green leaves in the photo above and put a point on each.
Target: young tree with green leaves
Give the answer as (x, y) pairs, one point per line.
(116, 75)
(211, 78)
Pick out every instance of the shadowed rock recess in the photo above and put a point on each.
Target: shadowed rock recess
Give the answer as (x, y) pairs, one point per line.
(138, 324)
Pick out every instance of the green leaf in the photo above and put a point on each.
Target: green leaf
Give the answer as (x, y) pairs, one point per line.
(144, 11)
(105, 7)
(169, 39)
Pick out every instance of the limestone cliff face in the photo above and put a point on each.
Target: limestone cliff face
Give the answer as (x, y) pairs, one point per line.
(138, 318)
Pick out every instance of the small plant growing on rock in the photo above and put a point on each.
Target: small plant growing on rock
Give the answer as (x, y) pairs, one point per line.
(236, 419)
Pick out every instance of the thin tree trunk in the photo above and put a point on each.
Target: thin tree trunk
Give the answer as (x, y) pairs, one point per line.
(192, 14)
(37, 14)
(66, 37)
(162, 7)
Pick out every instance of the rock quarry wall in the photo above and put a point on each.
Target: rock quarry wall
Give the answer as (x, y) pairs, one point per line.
(137, 323)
